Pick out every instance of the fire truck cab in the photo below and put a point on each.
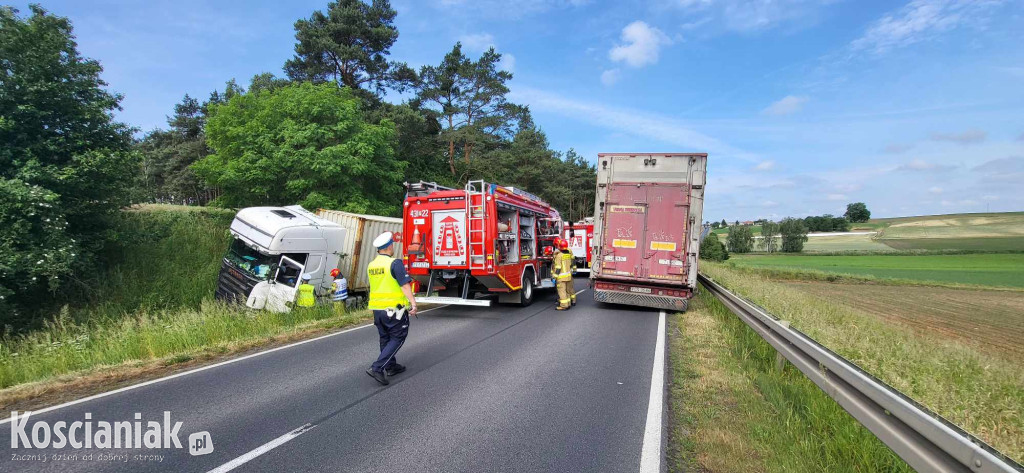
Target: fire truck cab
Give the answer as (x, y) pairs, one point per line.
(482, 239)
(580, 235)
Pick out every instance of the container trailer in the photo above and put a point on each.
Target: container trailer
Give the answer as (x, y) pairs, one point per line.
(647, 228)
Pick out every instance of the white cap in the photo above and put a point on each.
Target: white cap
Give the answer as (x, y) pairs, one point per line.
(383, 240)
(307, 276)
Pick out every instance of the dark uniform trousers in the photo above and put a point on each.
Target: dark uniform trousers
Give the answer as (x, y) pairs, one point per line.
(392, 336)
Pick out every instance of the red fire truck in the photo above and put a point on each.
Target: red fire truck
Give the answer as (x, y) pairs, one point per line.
(482, 239)
(580, 235)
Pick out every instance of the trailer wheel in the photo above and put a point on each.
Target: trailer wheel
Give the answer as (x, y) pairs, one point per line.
(526, 292)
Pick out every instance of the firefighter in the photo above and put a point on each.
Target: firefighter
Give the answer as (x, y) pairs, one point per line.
(306, 297)
(562, 267)
(392, 302)
(339, 288)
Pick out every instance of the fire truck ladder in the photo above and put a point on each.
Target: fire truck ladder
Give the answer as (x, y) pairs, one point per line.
(476, 218)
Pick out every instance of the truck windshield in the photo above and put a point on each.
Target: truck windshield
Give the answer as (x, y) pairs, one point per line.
(248, 259)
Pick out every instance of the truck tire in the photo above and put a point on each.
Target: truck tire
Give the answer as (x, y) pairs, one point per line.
(526, 292)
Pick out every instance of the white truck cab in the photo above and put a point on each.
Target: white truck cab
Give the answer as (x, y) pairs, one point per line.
(271, 248)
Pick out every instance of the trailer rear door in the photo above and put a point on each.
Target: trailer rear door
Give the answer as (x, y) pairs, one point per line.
(645, 231)
(625, 216)
(668, 210)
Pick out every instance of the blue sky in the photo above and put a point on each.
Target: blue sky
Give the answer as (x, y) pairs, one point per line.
(803, 105)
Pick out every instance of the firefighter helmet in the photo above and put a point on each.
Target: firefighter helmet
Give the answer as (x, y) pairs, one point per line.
(563, 244)
(335, 272)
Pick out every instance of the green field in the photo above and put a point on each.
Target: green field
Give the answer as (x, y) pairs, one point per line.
(989, 231)
(822, 244)
(974, 269)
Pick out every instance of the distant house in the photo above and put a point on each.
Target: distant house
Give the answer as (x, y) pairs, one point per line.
(748, 222)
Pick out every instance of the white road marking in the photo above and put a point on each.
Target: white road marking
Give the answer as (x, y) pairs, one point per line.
(579, 291)
(650, 455)
(231, 465)
(197, 370)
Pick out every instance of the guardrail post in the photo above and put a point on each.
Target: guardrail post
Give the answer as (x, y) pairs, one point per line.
(780, 361)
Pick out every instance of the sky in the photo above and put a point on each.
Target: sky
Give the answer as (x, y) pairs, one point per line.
(802, 105)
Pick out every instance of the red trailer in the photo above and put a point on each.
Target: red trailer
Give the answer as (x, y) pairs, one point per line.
(580, 235)
(648, 222)
(482, 239)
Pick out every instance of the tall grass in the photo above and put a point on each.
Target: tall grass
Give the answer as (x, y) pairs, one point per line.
(982, 393)
(64, 346)
(735, 411)
(153, 301)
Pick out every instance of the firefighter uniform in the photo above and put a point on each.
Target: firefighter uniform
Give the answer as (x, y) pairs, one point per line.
(390, 307)
(562, 266)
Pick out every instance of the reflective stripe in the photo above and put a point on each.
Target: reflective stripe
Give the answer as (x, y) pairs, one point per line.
(385, 292)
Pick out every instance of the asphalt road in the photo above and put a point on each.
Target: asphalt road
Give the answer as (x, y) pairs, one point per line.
(487, 389)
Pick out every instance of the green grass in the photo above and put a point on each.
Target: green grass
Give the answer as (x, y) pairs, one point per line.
(733, 410)
(974, 389)
(1006, 270)
(859, 243)
(972, 244)
(153, 302)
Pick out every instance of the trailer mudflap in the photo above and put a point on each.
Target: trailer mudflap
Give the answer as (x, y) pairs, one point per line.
(453, 301)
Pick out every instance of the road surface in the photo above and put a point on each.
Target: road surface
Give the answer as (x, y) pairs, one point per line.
(487, 389)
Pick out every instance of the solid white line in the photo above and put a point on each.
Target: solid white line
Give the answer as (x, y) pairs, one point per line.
(650, 455)
(231, 465)
(197, 370)
(579, 291)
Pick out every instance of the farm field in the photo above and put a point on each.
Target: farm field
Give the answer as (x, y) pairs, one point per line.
(993, 232)
(822, 244)
(1003, 270)
(992, 321)
(979, 389)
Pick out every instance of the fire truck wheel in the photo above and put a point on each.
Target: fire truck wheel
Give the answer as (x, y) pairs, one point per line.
(526, 293)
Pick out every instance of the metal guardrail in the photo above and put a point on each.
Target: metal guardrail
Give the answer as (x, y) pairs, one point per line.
(923, 439)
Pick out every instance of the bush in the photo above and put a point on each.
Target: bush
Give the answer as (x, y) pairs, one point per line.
(712, 249)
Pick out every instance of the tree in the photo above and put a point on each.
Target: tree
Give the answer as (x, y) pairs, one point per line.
(741, 239)
(302, 143)
(168, 155)
(65, 164)
(716, 225)
(349, 45)
(794, 234)
(712, 249)
(769, 236)
(724, 223)
(857, 212)
(468, 99)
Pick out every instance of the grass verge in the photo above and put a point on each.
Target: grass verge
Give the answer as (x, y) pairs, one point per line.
(974, 389)
(76, 354)
(733, 410)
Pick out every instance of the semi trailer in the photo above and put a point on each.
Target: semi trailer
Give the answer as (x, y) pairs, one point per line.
(482, 239)
(647, 226)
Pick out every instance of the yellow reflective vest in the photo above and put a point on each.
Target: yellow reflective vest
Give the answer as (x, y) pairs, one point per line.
(385, 293)
(562, 266)
(306, 297)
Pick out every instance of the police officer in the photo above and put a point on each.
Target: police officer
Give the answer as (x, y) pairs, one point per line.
(562, 267)
(306, 298)
(392, 302)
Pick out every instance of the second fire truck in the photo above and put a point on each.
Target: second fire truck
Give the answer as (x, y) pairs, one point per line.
(482, 239)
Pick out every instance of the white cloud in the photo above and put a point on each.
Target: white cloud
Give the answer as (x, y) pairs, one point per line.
(662, 128)
(611, 76)
(835, 197)
(785, 106)
(507, 63)
(765, 166)
(896, 148)
(935, 190)
(478, 42)
(922, 165)
(642, 44)
(967, 137)
(920, 20)
(751, 15)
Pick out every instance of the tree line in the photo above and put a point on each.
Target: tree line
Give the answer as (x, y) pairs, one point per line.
(787, 235)
(321, 136)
